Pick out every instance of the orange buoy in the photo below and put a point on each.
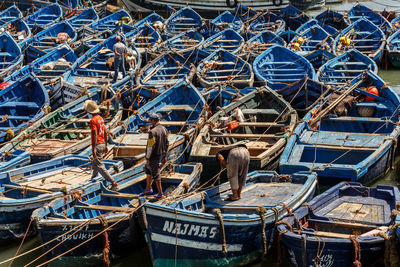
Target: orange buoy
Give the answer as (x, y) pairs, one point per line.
(372, 90)
(232, 125)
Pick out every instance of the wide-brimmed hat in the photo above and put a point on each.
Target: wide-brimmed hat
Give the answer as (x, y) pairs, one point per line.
(91, 107)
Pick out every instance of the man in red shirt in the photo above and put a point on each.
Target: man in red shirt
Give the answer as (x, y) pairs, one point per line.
(99, 142)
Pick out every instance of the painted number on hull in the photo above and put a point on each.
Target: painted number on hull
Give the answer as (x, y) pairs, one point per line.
(189, 229)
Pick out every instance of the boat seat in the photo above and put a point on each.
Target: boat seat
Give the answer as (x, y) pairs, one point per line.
(19, 104)
(361, 119)
(251, 111)
(168, 108)
(5, 54)
(23, 118)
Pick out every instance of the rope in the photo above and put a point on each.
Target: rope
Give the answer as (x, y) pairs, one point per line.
(221, 224)
(261, 212)
(357, 252)
(22, 242)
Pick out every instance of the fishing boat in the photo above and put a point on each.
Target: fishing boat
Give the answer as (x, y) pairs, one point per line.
(351, 136)
(313, 22)
(261, 42)
(48, 69)
(214, 231)
(315, 37)
(150, 19)
(95, 68)
(109, 22)
(205, 7)
(183, 20)
(10, 54)
(395, 23)
(304, 94)
(65, 130)
(222, 67)
(333, 19)
(145, 38)
(364, 36)
(46, 40)
(165, 71)
(10, 14)
(18, 29)
(319, 57)
(278, 66)
(347, 218)
(14, 159)
(45, 16)
(393, 49)
(263, 125)
(28, 188)
(88, 16)
(244, 12)
(342, 69)
(228, 39)
(293, 17)
(359, 11)
(99, 204)
(184, 42)
(267, 21)
(181, 110)
(21, 104)
(227, 20)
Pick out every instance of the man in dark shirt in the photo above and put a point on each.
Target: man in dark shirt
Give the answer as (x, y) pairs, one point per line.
(236, 160)
(156, 150)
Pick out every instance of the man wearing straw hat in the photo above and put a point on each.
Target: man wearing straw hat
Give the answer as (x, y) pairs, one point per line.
(99, 142)
(156, 151)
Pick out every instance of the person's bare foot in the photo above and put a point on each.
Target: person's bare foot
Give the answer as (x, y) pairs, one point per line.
(114, 185)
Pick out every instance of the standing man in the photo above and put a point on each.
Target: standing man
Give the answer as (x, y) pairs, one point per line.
(236, 160)
(156, 150)
(120, 53)
(99, 142)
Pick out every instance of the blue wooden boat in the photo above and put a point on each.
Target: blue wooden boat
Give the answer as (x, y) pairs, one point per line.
(48, 39)
(183, 20)
(92, 70)
(109, 22)
(244, 13)
(278, 66)
(28, 188)
(319, 57)
(181, 109)
(267, 21)
(14, 159)
(88, 16)
(288, 35)
(312, 22)
(145, 38)
(21, 104)
(10, 14)
(227, 20)
(222, 67)
(18, 29)
(342, 69)
(293, 17)
(184, 42)
(216, 232)
(221, 96)
(48, 68)
(346, 218)
(304, 94)
(359, 11)
(45, 16)
(261, 42)
(395, 23)
(65, 130)
(352, 141)
(333, 19)
(11, 55)
(267, 121)
(150, 19)
(97, 201)
(313, 37)
(393, 49)
(165, 71)
(365, 37)
(228, 39)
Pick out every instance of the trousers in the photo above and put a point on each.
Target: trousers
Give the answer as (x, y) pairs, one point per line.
(119, 62)
(98, 165)
(237, 166)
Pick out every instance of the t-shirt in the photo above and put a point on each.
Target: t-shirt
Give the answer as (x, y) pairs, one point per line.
(120, 48)
(97, 124)
(225, 151)
(157, 143)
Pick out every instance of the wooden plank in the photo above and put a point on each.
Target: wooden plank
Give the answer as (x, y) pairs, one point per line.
(331, 235)
(121, 195)
(246, 136)
(104, 208)
(28, 188)
(173, 123)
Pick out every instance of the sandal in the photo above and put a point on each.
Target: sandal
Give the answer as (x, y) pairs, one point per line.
(146, 193)
(159, 196)
(229, 198)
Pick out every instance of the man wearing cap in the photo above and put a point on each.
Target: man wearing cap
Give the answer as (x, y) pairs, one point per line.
(156, 150)
(99, 142)
(236, 160)
(120, 53)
